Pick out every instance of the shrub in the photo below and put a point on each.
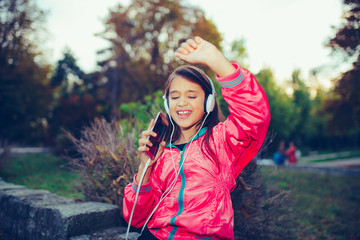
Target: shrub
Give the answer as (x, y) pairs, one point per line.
(105, 155)
(106, 160)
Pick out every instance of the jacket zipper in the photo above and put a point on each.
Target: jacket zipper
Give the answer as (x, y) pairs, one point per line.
(180, 196)
(179, 159)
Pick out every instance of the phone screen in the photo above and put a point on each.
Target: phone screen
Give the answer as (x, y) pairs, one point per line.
(159, 128)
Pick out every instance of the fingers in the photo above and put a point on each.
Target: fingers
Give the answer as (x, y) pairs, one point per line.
(198, 39)
(151, 124)
(189, 46)
(144, 141)
(160, 150)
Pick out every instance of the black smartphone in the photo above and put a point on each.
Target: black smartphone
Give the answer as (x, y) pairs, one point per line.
(159, 128)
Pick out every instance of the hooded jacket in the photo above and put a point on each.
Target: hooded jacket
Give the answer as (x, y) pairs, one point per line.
(199, 206)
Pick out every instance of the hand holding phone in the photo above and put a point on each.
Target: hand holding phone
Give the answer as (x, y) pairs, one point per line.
(159, 128)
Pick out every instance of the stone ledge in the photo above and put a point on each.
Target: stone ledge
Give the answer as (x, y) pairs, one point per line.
(38, 214)
(118, 233)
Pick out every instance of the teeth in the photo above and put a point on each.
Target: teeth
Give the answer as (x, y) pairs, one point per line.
(183, 112)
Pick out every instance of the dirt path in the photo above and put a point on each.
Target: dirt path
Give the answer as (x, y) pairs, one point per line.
(348, 166)
(345, 166)
(343, 163)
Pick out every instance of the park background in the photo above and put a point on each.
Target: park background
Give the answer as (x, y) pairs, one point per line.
(54, 103)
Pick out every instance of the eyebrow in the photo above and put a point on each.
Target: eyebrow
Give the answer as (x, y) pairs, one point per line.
(188, 91)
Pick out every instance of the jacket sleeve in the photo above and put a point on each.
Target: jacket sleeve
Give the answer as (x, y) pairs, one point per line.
(144, 203)
(245, 128)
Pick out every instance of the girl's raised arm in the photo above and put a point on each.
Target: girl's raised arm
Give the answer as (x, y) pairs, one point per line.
(200, 51)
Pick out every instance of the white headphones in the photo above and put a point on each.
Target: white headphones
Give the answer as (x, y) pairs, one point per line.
(209, 102)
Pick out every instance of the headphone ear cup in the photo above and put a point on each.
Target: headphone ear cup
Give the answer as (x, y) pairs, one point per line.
(210, 103)
(166, 106)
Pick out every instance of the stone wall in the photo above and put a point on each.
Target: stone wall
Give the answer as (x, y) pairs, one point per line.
(40, 215)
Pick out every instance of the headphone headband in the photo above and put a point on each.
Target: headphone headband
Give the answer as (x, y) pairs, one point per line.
(209, 101)
(212, 86)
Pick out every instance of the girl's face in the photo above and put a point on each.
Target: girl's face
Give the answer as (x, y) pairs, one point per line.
(186, 103)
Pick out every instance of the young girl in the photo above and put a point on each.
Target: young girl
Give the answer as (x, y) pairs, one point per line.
(190, 180)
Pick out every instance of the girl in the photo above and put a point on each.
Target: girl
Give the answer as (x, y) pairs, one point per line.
(185, 193)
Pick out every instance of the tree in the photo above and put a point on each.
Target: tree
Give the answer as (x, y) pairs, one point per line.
(317, 136)
(282, 107)
(302, 104)
(143, 38)
(75, 103)
(238, 52)
(24, 92)
(68, 76)
(344, 106)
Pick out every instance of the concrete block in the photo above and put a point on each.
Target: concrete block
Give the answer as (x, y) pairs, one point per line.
(40, 215)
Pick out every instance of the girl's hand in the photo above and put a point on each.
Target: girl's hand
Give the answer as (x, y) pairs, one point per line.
(144, 142)
(196, 51)
(200, 51)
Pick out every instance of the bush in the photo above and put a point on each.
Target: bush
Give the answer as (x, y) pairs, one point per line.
(105, 155)
(106, 160)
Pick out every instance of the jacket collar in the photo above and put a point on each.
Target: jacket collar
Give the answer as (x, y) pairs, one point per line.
(199, 134)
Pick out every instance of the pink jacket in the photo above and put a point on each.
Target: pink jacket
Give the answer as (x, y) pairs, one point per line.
(199, 206)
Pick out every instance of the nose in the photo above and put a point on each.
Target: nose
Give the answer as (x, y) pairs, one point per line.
(181, 102)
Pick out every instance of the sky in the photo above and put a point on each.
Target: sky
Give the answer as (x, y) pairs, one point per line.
(282, 35)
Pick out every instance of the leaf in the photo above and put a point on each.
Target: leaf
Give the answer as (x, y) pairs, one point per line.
(114, 156)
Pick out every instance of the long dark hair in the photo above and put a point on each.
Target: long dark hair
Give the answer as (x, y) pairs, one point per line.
(198, 76)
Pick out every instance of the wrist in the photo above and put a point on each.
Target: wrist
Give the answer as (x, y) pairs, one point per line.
(220, 65)
(141, 172)
(142, 168)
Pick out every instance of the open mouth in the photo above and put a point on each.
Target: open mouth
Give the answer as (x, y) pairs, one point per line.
(183, 113)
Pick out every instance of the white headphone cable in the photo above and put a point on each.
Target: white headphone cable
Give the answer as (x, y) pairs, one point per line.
(136, 197)
(139, 186)
(172, 185)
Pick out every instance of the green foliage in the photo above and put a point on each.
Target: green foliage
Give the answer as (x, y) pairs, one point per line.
(282, 108)
(238, 52)
(139, 114)
(302, 104)
(316, 133)
(143, 111)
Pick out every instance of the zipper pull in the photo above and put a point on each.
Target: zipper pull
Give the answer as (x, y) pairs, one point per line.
(179, 159)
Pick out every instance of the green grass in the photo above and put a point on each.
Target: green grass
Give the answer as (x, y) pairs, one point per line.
(321, 206)
(42, 171)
